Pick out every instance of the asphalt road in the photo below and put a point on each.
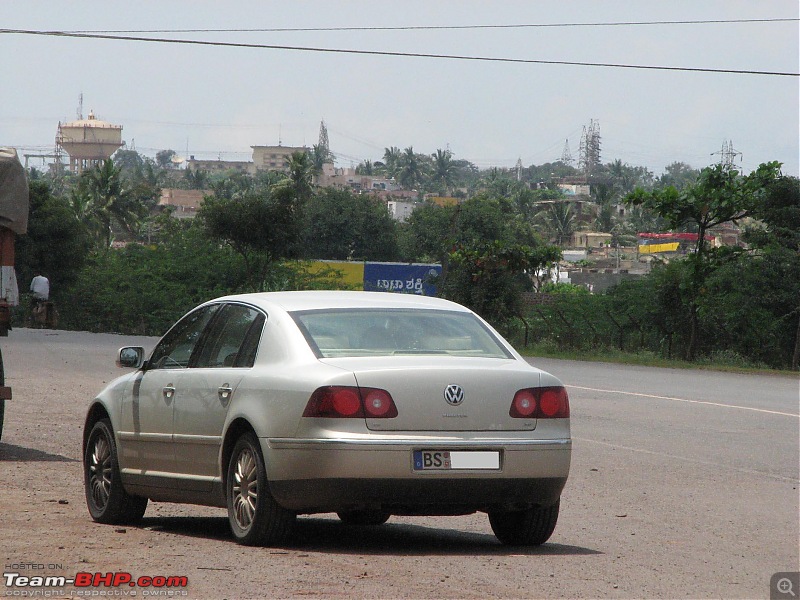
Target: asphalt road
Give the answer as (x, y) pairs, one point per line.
(684, 484)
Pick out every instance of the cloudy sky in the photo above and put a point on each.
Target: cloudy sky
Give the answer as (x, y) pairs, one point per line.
(217, 101)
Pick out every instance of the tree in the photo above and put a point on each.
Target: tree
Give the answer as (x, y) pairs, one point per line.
(55, 245)
(391, 159)
(340, 225)
(410, 169)
(260, 227)
(103, 201)
(298, 187)
(489, 277)
(130, 161)
(319, 156)
(444, 170)
(777, 238)
(677, 175)
(720, 195)
(558, 221)
(164, 158)
(196, 179)
(365, 168)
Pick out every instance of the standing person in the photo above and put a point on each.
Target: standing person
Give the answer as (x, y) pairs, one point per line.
(40, 294)
(40, 287)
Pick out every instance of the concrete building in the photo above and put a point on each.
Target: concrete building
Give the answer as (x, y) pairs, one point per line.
(348, 179)
(589, 239)
(88, 141)
(185, 203)
(220, 166)
(400, 210)
(274, 158)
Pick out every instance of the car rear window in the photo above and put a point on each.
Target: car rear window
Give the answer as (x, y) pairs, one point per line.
(381, 332)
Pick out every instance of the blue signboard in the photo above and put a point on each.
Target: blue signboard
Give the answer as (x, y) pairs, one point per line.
(413, 278)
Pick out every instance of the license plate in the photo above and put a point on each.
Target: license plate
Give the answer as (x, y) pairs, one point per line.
(450, 460)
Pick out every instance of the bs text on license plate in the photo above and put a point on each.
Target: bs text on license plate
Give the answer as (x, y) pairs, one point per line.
(425, 460)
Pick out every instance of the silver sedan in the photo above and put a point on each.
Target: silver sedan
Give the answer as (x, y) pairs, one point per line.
(364, 404)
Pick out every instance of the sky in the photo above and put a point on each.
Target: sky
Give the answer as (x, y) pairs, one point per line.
(216, 101)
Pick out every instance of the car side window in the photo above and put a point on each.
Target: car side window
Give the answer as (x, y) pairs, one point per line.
(175, 349)
(233, 338)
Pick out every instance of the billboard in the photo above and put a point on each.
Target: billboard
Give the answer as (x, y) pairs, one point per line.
(406, 278)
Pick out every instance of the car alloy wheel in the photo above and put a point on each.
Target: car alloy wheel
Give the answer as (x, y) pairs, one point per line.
(245, 488)
(256, 519)
(106, 498)
(100, 471)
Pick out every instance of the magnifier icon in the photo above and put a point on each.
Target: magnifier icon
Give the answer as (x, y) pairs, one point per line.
(784, 586)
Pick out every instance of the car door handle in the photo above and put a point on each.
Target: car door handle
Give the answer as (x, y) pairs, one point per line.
(169, 392)
(224, 392)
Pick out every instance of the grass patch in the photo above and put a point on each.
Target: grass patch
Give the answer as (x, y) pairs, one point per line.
(717, 362)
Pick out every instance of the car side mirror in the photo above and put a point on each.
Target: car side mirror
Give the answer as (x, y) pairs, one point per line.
(130, 357)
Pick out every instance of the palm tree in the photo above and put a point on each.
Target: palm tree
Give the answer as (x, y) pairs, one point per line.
(558, 220)
(102, 201)
(365, 168)
(444, 170)
(298, 184)
(411, 171)
(391, 158)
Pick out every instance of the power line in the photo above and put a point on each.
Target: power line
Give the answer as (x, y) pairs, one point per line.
(439, 27)
(388, 53)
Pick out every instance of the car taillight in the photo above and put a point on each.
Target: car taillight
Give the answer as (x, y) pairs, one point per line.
(540, 403)
(338, 401)
(378, 403)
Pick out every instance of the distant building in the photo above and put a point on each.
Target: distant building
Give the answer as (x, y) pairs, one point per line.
(185, 203)
(589, 239)
(400, 210)
(274, 158)
(220, 166)
(265, 158)
(574, 189)
(348, 179)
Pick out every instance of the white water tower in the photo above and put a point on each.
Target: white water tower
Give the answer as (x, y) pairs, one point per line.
(88, 141)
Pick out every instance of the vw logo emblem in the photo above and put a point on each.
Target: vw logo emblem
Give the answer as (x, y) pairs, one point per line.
(454, 394)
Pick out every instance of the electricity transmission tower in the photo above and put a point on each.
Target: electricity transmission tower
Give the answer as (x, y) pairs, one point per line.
(727, 155)
(566, 155)
(589, 159)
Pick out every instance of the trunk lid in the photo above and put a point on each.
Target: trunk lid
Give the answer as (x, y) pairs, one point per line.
(445, 393)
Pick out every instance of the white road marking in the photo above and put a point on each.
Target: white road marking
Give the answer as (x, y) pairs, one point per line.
(688, 459)
(761, 410)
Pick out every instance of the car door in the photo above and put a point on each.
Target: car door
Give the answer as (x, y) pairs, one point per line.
(146, 424)
(207, 388)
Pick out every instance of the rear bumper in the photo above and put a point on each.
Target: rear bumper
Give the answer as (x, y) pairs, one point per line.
(325, 475)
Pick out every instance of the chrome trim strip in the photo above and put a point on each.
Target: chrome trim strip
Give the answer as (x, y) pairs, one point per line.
(210, 440)
(416, 442)
(145, 437)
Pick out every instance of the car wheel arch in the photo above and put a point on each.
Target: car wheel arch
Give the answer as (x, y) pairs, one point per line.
(97, 412)
(236, 429)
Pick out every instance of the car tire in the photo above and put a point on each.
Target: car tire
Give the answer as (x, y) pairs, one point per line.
(256, 519)
(363, 517)
(531, 527)
(106, 498)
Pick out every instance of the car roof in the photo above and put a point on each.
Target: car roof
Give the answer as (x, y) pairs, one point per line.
(315, 300)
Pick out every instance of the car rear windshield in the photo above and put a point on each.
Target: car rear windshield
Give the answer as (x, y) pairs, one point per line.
(381, 332)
